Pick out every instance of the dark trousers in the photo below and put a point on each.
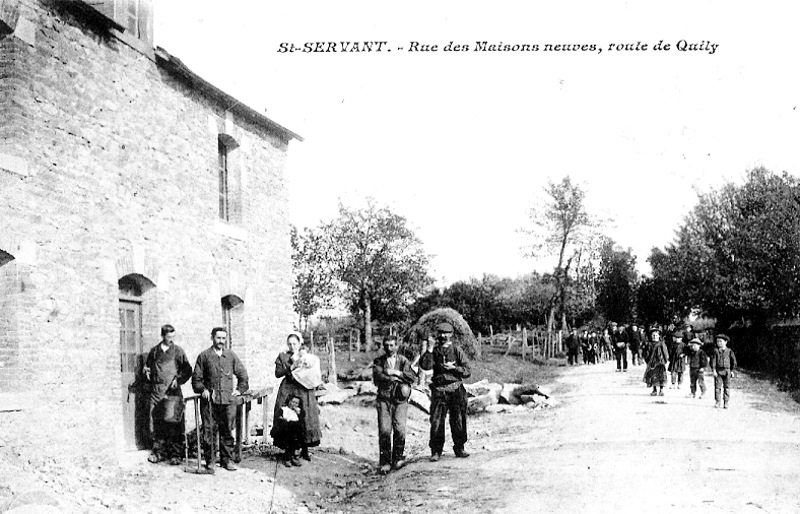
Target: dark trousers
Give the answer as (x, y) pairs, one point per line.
(391, 429)
(572, 356)
(167, 436)
(636, 357)
(454, 402)
(622, 358)
(696, 379)
(722, 381)
(677, 376)
(218, 420)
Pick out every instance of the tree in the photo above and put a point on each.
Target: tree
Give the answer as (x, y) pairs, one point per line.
(313, 286)
(378, 259)
(616, 288)
(737, 255)
(560, 226)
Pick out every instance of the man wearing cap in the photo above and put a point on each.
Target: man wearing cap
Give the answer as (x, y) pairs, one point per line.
(723, 362)
(698, 360)
(450, 367)
(167, 368)
(620, 347)
(393, 375)
(636, 341)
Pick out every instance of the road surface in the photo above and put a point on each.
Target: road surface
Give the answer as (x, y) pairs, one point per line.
(608, 446)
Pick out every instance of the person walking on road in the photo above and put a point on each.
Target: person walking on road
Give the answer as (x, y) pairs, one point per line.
(698, 361)
(572, 347)
(620, 348)
(656, 373)
(635, 341)
(723, 362)
(450, 367)
(677, 361)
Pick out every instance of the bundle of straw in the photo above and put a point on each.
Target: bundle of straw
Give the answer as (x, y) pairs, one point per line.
(426, 325)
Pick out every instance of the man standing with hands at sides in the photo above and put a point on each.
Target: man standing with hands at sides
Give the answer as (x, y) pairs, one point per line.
(450, 367)
(213, 379)
(393, 375)
(167, 369)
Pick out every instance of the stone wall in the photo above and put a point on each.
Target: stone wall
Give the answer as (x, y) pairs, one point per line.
(113, 172)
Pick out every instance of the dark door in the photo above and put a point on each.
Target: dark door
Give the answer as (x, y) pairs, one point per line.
(134, 392)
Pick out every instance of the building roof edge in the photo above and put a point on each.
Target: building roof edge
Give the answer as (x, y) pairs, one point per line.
(174, 65)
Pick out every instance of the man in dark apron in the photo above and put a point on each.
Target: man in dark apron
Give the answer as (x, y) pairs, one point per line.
(166, 369)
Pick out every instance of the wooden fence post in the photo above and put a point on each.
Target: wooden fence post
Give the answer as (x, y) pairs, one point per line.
(311, 342)
(524, 341)
(350, 347)
(331, 360)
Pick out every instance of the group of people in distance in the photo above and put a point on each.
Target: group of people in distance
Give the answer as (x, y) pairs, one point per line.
(296, 426)
(666, 358)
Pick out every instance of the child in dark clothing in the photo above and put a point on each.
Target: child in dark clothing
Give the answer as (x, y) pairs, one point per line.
(288, 431)
(723, 362)
(698, 361)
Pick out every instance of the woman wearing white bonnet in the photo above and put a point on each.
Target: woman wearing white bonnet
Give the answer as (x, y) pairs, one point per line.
(300, 372)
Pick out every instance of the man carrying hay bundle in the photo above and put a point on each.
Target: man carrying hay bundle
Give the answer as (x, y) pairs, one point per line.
(450, 367)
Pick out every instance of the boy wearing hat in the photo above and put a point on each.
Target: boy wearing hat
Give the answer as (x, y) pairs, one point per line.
(723, 362)
(450, 367)
(698, 360)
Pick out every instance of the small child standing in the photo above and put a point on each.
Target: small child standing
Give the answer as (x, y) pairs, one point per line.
(287, 433)
(723, 362)
(698, 360)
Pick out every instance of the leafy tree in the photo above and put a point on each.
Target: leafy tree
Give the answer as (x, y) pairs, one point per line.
(616, 291)
(314, 287)
(560, 226)
(666, 296)
(737, 254)
(378, 259)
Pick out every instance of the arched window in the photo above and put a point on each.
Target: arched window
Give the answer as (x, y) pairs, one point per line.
(233, 319)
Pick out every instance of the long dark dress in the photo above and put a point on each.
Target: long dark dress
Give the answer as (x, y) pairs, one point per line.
(309, 420)
(676, 357)
(656, 373)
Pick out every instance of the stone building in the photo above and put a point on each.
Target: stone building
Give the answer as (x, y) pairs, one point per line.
(133, 193)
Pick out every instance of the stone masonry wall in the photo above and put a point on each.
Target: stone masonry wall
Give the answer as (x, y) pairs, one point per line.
(121, 159)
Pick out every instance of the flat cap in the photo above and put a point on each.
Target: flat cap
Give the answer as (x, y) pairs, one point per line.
(696, 341)
(444, 327)
(723, 337)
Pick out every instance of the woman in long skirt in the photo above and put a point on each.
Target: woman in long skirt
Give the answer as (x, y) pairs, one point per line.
(285, 365)
(656, 374)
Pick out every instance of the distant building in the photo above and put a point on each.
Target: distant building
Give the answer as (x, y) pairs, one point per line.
(133, 193)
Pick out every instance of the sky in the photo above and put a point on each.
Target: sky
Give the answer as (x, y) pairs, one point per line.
(463, 143)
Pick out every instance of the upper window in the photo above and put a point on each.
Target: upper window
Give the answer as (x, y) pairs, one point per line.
(224, 185)
(229, 180)
(135, 16)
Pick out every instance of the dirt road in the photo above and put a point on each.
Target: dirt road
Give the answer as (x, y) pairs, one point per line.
(605, 446)
(610, 447)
